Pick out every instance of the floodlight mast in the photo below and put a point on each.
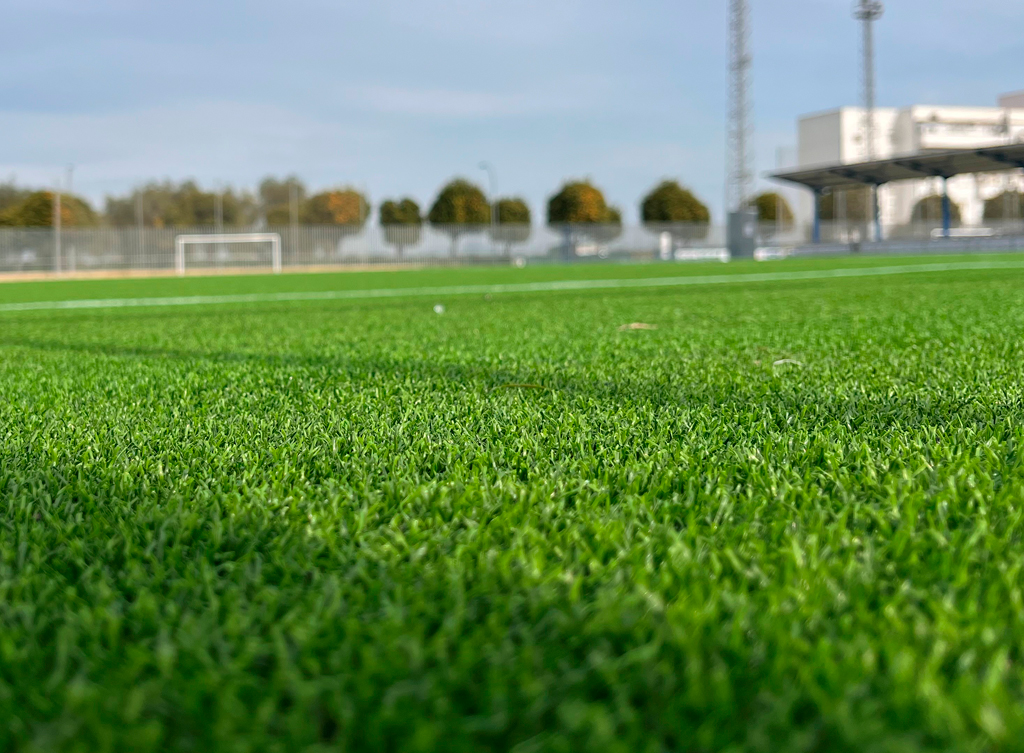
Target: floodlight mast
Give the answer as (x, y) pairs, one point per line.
(740, 177)
(867, 12)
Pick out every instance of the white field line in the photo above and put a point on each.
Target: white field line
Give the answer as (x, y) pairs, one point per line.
(525, 287)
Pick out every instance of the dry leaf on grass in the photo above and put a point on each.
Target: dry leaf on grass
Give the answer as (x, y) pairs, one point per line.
(637, 325)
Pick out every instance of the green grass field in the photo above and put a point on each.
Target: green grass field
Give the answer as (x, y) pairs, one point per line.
(790, 518)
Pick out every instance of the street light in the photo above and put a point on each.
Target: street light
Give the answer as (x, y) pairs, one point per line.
(492, 179)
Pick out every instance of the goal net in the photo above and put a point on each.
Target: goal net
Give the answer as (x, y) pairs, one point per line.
(218, 250)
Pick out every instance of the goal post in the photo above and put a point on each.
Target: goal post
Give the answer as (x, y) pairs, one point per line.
(181, 241)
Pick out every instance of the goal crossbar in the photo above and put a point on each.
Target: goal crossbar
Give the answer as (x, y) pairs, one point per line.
(183, 240)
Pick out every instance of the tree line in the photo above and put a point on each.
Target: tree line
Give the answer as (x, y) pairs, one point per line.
(284, 201)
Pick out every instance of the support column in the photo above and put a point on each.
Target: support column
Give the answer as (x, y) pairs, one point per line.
(875, 213)
(816, 237)
(947, 219)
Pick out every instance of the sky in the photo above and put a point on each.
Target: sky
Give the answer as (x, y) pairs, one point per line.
(395, 97)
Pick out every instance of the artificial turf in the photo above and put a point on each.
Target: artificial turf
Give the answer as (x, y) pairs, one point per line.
(791, 517)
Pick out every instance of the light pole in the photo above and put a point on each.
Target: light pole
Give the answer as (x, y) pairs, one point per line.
(492, 180)
(741, 233)
(140, 222)
(218, 218)
(56, 230)
(867, 12)
(218, 209)
(293, 216)
(293, 205)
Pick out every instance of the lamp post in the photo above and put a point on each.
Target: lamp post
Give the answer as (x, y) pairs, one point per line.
(56, 230)
(218, 209)
(492, 181)
(140, 222)
(293, 216)
(218, 219)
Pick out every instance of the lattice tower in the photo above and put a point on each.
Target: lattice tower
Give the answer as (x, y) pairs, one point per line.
(867, 12)
(740, 155)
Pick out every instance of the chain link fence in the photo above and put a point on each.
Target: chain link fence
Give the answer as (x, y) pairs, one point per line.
(81, 250)
(152, 250)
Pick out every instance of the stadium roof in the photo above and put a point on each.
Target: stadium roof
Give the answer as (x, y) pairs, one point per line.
(928, 165)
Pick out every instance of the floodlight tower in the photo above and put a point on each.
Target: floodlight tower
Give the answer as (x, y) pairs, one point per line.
(867, 12)
(739, 172)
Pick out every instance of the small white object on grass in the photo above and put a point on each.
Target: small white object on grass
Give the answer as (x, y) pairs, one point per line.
(783, 361)
(438, 309)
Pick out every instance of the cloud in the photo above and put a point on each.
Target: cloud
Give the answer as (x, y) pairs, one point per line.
(571, 96)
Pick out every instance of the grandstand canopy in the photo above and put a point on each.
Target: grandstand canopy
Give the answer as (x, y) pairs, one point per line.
(928, 165)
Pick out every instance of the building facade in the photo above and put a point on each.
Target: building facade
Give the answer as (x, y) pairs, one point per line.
(838, 136)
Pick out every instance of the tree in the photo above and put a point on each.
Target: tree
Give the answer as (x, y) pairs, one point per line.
(344, 206)
(929, 209)
(512, 217)
(579, 203)
(11, 195)
(670, 202)
(402, 223)
(673, 209)
(36, 210)
(403, 212)
(458, 205)
(610, 229)
(768, 206)
(512, 211)
(581, 207)
(850, 205)
(1008, 205)
(184, 205)
(276, 198)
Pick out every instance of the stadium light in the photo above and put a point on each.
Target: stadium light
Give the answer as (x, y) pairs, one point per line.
(867, 12)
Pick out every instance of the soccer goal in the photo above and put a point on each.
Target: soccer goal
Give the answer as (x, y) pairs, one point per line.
(216, 249)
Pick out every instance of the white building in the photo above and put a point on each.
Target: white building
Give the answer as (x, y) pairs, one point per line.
(837, 136)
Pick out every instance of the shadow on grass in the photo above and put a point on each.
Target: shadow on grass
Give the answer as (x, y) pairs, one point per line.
(815, 405)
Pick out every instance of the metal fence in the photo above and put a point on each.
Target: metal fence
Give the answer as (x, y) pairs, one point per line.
(863, 232)
(41, 250)
(919, 237)
(35, 250)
